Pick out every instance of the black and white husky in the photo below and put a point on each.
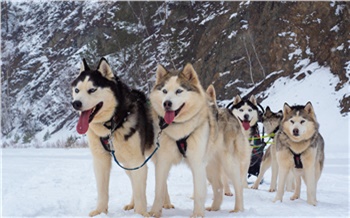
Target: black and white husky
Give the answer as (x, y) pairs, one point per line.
(246, 110)
(110, 110)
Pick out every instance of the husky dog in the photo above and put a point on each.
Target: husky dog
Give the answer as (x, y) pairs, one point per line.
(109, 109)
(181, 108)
(271, 122)
(300, 147)
(247, 112)
(228, 150)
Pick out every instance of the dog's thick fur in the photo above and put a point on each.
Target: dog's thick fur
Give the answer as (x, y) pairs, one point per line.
(271, 122)
(299, 134)
(178, 99)
(228, 151)
(100, 95)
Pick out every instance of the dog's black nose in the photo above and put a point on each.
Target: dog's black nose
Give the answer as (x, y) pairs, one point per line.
(77, 105)
(167, 105)
(246, 116)
(296, 132)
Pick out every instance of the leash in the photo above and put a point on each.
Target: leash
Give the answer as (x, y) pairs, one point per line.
(109, 140)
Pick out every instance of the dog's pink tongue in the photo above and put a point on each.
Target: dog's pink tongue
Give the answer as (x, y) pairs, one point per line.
(83, 122)
(169, 116)
(246, 125)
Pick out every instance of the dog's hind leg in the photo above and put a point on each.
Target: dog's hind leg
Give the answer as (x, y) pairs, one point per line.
(296, 194)
(214, 177)
(233, 172)
(102, 168)
(265, 164)
(274, 173)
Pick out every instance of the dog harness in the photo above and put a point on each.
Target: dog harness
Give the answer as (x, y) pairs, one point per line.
(107, 142)
(297, 159)
(181, 143)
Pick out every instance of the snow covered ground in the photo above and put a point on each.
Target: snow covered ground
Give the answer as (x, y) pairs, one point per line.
(60, 182)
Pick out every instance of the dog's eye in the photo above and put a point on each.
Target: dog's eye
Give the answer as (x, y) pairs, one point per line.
(303, 121)
(92, 90)
(165, 91)
(76, 90)
(240, 110)
(178, 91)
(292, 121)
(250, 110)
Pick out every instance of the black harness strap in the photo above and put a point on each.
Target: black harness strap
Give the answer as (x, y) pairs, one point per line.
(182, 145)
(297, 159)
(162, 124)
(105, 143)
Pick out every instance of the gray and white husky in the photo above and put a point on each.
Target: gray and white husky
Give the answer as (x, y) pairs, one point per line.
(300, 147)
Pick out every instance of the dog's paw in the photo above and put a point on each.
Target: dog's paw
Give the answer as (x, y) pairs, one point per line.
(236, 210)
(277, 199)
(129, 207)
(254, 186)
(228, 193)
(168, 206)
(155, 214)
(145, 214)
(195, 215)
(312, 202)
(272, 190)
(294, 197)
(97, 212)
(212, 209)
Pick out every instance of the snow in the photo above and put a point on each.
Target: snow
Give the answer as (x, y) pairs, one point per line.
(60, 182)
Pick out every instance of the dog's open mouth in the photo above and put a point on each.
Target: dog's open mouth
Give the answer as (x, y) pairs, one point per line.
(170, 115)
(86, 117)
(245, 124)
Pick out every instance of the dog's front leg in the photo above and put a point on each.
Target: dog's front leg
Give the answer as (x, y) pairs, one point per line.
(200, 189)
(102, 168)
(311, 184)
(162, 170)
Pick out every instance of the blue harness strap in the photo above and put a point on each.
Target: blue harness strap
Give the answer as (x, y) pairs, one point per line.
(107, 146)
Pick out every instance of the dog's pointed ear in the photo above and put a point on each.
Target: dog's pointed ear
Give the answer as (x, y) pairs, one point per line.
(309, 109)
(211, 93)
(268, 111)
(190, 74)
(237, 99)
(105, 69)
(286, 109)
(160, 73)
(84, 66)
(280, 113)
(253, 100)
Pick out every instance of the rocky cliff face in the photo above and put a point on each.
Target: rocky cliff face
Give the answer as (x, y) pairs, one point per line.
(233, 45)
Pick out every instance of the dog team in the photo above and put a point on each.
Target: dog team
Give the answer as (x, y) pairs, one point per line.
(182, 122)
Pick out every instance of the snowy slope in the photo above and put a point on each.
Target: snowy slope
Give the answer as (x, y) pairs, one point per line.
(58, 182)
